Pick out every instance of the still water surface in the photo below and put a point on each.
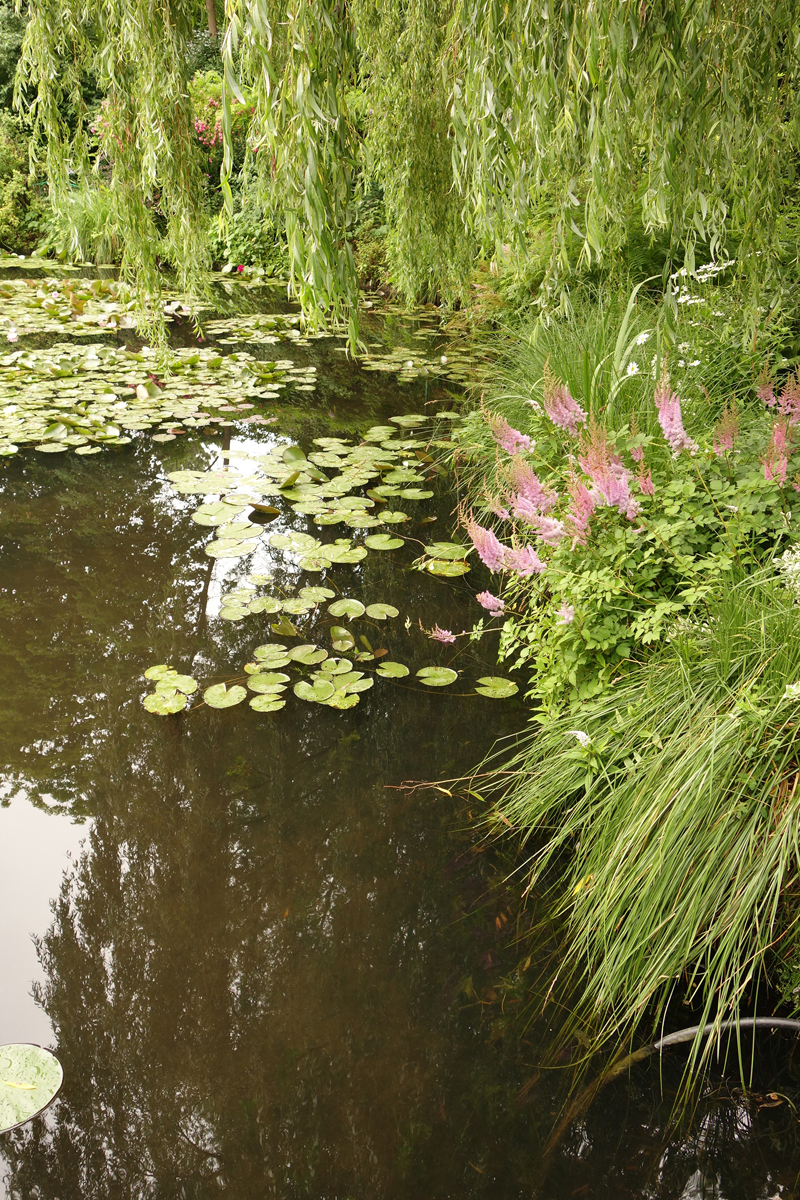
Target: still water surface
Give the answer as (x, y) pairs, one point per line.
(266, 970)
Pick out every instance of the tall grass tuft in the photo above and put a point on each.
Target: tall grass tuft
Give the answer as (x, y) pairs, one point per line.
(668, 826)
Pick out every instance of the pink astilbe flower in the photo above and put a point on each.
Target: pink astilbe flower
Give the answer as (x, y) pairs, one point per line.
(726, 430)
(565, 614)
(610, 478)
(494, 604)
(776, 456)
(496, 507)
(765, 389)
(637, 454)
(550, 530)
(524, 562)
(789, 399)
(528, 486)
(645, 482)
(441, 635)
(506, 436)
(559, 405)
(491, 551)
(580, 512)
(670, 418)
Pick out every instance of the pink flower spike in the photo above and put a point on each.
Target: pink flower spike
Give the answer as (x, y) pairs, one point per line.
(645, 482)
(565, 614)
(559, 404)
(494, 604)
(442, 635)
(491, 551)
(670, 418)
(508, 438)
(528, 486)
(524, 562)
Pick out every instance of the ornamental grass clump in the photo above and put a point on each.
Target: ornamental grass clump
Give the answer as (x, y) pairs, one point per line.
(666, 828)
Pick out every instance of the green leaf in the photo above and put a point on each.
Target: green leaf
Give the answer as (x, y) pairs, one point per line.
(342, 638)
(159, 672)
(446, 550)
(267, 703)
(496, 687)
(30, 1078)
(342, 700)
(268, 681)
(379, 612)
(448, 570)
(437, 676)
(346, 608)
(316, 594)
(383, 541)
(317, 692)
(392, 670)
(220, 696)
(164, 706)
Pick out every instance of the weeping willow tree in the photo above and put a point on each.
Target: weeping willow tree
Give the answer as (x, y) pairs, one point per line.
(470, 115)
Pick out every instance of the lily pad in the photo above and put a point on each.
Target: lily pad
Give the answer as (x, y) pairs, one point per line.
(393, 516)
(296, 606)
(267, 680)
(383, 541)
(448, 570)
(446, 550)
(314, 562)
(159, 671)
(164, 706)
(416, 494)
(392, 670)
(336, 666)
(342, 638)
(379, 612)
(220, 696)
(497, 687)
(346, 608)
(30, 1078)
(267, 703)
(183, 683)
(437, 676)
(316, 594)
(317, 692)
(308, 655)
(342, 700)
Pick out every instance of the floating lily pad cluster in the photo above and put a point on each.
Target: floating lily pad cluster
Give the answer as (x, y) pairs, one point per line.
(332, 680)
(261, 329)
(84, 397)
(83, 305)
(456, 366)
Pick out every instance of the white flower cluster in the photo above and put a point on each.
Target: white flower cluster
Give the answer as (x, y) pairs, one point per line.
(789, 567)
(791, 691)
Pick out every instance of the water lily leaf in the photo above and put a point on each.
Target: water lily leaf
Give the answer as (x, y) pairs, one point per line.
(296, 606)
(309, 655)
(270, 650)
(448, 570)
(51, 447)
(360, 685)
(393, 516)
(318, 691)
(316, 594)
(344, 679)
(293, 456)
(269, 682)
(229, 613)
(315, 562)
(285, 628)
(392, 670)
(416, 494)
(342, 700)
(270, 678)
(159, 671)
(437, 676)
(346, 608)
(342, 638)
(446, 550)
(335, 666)
(182, 683)
(360, 520)
(352, 554)
(379, 612)
(220, 696)
(383, 541)
(162, 706)
(224, 549)
(30, 1079)
(496, 687)
(266, 604)
(267, 703)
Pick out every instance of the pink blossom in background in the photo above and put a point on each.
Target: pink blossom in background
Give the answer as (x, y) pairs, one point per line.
(645, 482)
(508, 438)
(610, 479)
(637, 454)
(494, 604)
(789, 399)
(776, 456)
(498, 510)
(565, 614)
(442, 635)
(550, 530)
(491, 551)
(726, 431)
(527, 484)
(559, 405)
(524, 562)
(579, 515)
(670, 418)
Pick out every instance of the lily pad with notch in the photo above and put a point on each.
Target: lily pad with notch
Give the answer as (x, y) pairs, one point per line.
(165, 706)
(316, 692)
(267, 702)
(220, 696)
(379, 612)
(346, 607)
(392, 670)
(383, 541)
(496, 687)
(30, 1079)
(342, 638)
(437, 676)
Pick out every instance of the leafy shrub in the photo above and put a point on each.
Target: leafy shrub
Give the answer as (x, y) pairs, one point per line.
(251, 237)
(23, 204)
(88, 229)
(206, 93)
(614, 518)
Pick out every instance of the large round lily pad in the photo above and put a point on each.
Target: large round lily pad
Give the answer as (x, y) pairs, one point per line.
(383, 541)
(164, 706)
(319, 691)
(392, 670)
(346, 608)
(379, 612)
(30, 1078)
(437, 676)
(220, 696)
(496, 687)
(267, 703)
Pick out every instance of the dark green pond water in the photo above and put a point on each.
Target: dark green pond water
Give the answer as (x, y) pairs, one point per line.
(266, 970)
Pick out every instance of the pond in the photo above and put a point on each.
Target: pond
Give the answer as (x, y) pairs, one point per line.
(268, 969)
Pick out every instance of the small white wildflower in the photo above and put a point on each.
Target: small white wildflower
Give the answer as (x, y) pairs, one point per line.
(684, 346)
(582, 737)
(791, 691)
(789, 567)
(695, 363)
(681, 363)
(643, 337)
(633, 368)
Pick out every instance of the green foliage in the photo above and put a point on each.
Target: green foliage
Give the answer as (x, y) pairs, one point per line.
(22, 204)
(12, 30)
(86, 227)
(670, 819)
(605, 598)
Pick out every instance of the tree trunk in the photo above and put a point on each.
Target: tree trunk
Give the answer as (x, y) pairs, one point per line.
(212, 18)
